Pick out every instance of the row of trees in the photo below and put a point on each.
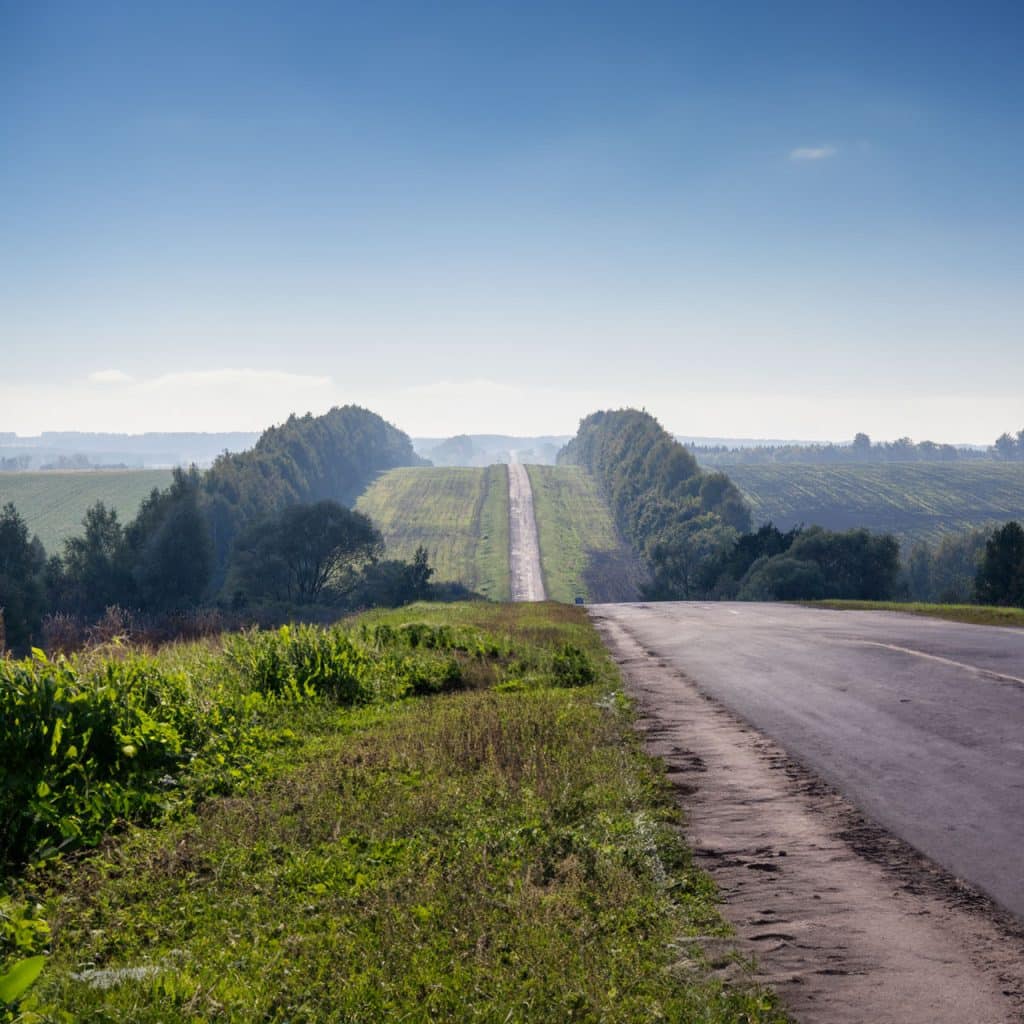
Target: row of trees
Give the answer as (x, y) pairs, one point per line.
(1006, 448)
(304, 460)
(803, 564)
(693, 532)
(264, 526)
(675, 514)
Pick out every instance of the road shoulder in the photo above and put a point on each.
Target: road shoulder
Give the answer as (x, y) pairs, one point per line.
(847, 923)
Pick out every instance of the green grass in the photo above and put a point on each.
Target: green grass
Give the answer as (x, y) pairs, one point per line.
(503, 853)
(978, 615)
(53, 503)
(459, 515)
(580, 551)
(916, 502)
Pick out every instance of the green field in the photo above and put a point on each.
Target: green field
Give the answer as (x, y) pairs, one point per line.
(914, 501)
(579, 549)
(459, 515)
(436, 814)
(53, 503)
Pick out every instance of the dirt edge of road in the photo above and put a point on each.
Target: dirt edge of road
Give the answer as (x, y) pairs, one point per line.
(847, 923)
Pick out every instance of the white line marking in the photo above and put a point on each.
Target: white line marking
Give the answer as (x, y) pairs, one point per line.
(987, 672)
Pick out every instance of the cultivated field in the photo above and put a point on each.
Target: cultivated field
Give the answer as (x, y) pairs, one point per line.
(914, 501)
(53, 503)
(579, 550)
(459, 515)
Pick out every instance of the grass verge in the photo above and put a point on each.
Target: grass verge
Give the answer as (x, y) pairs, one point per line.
(504, 852)
(975, 614)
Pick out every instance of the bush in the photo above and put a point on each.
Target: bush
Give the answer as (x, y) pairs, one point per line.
(570, 666)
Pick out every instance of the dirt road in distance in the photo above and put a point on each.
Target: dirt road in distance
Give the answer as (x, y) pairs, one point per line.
(524, 547)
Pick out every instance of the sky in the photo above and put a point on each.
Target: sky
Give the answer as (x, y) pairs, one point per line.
(789, 220)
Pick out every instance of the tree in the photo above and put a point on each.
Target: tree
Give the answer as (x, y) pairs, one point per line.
(1000, 578)
(95, 573)
(862, 444)
(784, 578)
(22, 561)
(392, 583)
(1006, 446)
(420, 572)
(169, 546)
(856, 564)
(306, 554)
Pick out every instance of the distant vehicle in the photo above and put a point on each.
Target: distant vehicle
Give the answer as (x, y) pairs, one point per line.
(579, 600)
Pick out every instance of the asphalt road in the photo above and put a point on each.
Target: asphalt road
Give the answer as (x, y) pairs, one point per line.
(917, 721)
(524, 546)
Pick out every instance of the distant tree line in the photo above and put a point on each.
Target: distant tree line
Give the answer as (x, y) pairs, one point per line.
(675, 514)
(975, 567)
(693, 531)
(1006, 448)
(264, 527)
(803, 564)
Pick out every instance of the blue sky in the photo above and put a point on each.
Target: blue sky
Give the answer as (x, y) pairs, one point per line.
(786, 220)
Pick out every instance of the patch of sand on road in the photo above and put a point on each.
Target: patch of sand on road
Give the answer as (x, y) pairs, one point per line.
(846, 923)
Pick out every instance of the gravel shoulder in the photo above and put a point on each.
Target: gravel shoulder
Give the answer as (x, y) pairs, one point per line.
(846, 922)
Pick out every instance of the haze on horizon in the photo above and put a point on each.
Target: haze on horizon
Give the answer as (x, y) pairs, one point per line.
(797, 222)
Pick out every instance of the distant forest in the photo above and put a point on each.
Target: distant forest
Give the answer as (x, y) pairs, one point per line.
(1006, 448)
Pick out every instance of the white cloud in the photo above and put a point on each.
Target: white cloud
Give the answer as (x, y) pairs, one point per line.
(110, 377)
(812, 152)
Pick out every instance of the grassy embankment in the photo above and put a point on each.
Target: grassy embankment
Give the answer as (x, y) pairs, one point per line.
(978, 615)
(914, 501)
(580, 551)
(53, 503)
(459, 515)
(499, 851)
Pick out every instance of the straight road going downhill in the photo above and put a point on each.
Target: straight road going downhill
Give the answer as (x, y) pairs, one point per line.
(918, 722)
(524, 546)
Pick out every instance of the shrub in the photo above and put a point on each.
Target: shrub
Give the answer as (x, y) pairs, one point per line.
(570, 666)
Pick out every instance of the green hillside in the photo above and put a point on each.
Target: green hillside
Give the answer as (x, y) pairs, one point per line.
(53, 503)
(459, 515)
(580, 552)
(914, 501)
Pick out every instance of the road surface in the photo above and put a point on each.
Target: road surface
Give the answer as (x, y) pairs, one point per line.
(524, 547)
(919, 727)
(918, 721)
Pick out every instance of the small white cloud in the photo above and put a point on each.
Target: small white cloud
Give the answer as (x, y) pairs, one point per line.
(110, 377)
(812, 152)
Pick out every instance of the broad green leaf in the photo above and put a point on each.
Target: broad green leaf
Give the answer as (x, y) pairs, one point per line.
(16, 981)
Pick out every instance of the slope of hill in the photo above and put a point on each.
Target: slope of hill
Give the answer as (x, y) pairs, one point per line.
(580, 551)
(459, 515)
(53, 503)
(914, 501)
